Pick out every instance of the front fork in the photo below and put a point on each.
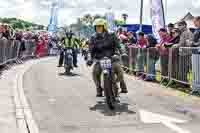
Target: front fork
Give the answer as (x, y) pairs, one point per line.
(113, 84)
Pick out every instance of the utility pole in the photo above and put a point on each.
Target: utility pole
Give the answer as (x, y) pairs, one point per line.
(166, 6)
(162, 6)
(141, 14)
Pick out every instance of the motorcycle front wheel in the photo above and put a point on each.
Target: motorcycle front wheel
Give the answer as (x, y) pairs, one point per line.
(110, 99)
(67, 70)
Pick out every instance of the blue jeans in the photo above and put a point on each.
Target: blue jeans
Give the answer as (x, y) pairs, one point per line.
(139, 67)
(151, 70)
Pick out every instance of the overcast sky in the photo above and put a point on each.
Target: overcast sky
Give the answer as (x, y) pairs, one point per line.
(39, 10)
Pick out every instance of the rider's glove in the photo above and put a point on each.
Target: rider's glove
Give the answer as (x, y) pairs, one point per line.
(89, 63)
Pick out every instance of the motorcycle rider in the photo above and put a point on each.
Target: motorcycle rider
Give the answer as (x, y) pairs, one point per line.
(85, 48)
(69, 41)
(106, 44)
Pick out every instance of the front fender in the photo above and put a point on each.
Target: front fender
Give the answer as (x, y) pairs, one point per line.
(68, 60)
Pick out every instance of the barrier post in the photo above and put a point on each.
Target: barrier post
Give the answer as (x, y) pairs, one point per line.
(196, 71)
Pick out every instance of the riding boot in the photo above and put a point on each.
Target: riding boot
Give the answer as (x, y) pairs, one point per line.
(97, 79)
(75, 61)
(61, 59)
(115, 89)
(99, 92)
(123, 87)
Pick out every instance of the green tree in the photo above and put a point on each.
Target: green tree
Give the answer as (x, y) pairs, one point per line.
(118, 22)
(5, 20)
(27, 25)
(125, 16)
(18, 25)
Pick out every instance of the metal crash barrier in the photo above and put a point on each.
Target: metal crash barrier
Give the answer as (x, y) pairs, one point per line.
(174, 64)
(11, 50)
(180, 65)
(29, 49)
(196, 70)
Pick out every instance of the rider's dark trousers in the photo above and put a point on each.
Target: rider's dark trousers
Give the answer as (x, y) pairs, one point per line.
(61, 59)
(117, 76)
(75, 57)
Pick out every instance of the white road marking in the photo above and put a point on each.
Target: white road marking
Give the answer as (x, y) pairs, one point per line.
(174, 127)
(152, 118)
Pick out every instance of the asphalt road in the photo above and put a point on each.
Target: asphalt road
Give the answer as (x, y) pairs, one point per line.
(67, 104)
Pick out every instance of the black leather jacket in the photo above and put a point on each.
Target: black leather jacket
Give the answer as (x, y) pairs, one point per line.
(103, 45)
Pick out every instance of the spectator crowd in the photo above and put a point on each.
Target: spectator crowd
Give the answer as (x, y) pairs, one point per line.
(39, 39)
(176, 36)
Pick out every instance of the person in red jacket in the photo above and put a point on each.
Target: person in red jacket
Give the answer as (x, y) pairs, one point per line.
(164, 51)
(40, 47)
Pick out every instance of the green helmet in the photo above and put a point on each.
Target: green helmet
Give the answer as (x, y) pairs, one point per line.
(100, 22)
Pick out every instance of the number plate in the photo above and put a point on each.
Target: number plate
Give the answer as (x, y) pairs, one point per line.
(106, 63)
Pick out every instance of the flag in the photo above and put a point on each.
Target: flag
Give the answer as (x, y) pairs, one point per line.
(53, 18)
(110, 20)
(157, 17)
